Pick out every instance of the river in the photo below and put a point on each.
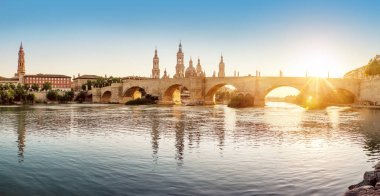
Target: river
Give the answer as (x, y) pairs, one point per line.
(281, 149)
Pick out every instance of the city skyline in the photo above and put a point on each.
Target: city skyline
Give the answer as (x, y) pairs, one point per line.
(119, 38)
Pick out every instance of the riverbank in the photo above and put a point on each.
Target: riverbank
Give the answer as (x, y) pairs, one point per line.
(366, 106)
(370, 185)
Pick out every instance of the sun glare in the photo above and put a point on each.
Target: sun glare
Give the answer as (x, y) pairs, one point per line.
(319, 60)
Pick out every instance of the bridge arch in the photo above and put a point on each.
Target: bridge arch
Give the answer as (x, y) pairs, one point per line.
(134, 92)
(340, 96)
(287, 90)
(175, 94)
(272, 88)
(210, 94)
(106, 97)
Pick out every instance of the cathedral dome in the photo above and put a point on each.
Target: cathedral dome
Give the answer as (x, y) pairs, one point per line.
(190, 71)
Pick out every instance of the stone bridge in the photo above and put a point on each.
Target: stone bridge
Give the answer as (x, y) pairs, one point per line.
(202, 90)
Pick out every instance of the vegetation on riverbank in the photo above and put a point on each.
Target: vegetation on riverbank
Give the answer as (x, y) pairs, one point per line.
(240, 101)
(10, 94)
(146, 100)
(61, 97)
(100, 82)
(373, 68)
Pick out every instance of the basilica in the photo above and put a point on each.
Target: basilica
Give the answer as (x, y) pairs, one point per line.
(190, 72)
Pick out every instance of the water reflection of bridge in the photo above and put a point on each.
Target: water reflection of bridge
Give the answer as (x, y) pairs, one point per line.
(186, 128)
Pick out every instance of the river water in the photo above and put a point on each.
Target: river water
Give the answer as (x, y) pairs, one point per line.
(281, 149)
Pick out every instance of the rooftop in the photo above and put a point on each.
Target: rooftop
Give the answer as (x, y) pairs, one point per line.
(87, 77)
(48, 76)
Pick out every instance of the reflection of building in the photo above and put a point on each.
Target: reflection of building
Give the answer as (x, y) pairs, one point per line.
(179, 138)
(21, 136)
(155, 134)
(80, 80)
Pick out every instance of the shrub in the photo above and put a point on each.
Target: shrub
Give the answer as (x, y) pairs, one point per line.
(52, 95)
(241, 101)
(81, 97)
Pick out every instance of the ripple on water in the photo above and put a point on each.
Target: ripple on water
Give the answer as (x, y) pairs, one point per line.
(215, 150)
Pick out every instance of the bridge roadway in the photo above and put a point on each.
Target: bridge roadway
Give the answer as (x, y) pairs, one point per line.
(202, 90)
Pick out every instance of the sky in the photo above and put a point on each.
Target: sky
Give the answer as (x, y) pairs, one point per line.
(118, 37)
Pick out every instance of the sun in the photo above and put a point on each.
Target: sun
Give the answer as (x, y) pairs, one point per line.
(318, 60)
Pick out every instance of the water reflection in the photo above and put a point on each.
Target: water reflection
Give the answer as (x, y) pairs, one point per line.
(179, 134)
(370, 128)
(253, 146)
(155, 134)
(21, 136)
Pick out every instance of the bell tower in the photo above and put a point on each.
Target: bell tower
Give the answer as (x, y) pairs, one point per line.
(221, 72)
(21, 64)
(180, 67)
(156, 66)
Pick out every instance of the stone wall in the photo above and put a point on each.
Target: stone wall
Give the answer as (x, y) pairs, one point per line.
(370, 91)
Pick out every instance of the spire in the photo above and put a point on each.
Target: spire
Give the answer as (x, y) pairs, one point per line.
(180, 46)
(21, 46)
(155, 52)
(221, 57)
(191, 62)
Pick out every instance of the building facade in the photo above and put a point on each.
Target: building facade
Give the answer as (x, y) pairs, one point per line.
(58, 82)
(156, 66)
(180, 67)
(80, 80)
(221, 72)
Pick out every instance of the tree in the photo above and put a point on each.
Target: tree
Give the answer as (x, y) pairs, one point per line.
(20, 93)
(373, 68)
(52, 95)
(30, 98)
(81, 97)
(35, 87)
(46, 86)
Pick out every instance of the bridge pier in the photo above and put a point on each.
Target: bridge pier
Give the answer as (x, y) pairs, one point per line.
(259, 101)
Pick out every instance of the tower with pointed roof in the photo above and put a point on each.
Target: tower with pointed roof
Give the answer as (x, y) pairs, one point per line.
(221, 72)
(156, 66)
(21, 64)
(166, 76)
(180, 67)
(190, 71)
(199, 68)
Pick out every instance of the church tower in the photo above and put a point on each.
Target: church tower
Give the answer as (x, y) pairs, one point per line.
(21, 64)
(156, 66)
(180, 67)
(221, 72)
(199, 68)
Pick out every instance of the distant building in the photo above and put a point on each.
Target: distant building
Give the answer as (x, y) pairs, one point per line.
(80, 80)
(359, 73)
(221, 72)
(180, 67)
(19, 76)
(13, 80)
(156, 66)
(60, 82)
(57, 81)
(190, 71)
